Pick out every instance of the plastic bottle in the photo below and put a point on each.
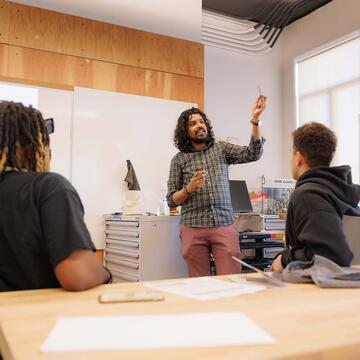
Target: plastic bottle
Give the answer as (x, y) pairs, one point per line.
(164, 209)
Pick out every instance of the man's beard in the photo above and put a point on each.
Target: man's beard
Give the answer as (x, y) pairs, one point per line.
(201, 140)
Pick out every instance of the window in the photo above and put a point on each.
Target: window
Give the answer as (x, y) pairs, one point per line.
(328, 91)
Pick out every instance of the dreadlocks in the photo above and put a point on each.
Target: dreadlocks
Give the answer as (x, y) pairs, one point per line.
(24, 140)
(181, 136)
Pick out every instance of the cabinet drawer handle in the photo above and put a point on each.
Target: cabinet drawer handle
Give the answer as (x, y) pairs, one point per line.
(123, 233)
(121, 252)
(122, 223)
(122, 262)
(123, 276)
(112, 240)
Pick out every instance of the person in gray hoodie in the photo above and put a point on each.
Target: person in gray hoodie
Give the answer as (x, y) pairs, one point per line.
(322, 195)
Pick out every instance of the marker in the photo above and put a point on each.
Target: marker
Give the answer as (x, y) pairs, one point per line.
(259, 90)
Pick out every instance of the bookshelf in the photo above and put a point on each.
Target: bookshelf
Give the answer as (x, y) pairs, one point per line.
(260, 248)
(257, 248)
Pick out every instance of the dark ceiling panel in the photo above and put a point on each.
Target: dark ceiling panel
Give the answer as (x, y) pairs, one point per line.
(264, 11)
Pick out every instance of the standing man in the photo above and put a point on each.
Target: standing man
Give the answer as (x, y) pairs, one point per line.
(199, 182)
(323, 195)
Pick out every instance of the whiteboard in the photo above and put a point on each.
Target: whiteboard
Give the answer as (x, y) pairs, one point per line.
(28, 95)
(110, 128)
(58, 104)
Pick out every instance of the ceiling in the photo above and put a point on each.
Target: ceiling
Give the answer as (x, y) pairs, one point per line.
(177, 18)
(251, 26)
(263, 11)
(257, 25)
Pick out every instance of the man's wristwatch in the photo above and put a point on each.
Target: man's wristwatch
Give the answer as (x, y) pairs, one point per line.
(256, 123)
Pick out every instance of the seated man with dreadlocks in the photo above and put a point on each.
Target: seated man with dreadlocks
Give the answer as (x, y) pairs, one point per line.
(44, 242)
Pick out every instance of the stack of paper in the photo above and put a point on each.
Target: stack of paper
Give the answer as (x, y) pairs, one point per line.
(206, 288)
(154, 332)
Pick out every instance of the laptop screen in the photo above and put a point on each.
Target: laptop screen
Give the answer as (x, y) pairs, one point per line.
(240, 197)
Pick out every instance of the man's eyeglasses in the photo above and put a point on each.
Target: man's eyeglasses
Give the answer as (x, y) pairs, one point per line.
(49, 123)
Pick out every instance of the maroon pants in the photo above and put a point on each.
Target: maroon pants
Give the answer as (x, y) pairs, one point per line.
(222, 241)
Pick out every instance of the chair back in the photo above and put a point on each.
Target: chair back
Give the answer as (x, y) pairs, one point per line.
(351, 225)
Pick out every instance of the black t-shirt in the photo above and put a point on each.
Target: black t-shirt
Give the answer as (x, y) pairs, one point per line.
(41, 224)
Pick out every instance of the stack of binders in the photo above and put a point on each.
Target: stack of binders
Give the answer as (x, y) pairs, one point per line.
(273, 223)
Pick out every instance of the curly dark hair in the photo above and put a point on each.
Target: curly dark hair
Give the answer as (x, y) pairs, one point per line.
(24, 139)
(316, 142)
(181, 136)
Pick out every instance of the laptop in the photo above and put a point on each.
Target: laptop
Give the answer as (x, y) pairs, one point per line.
(240, 198)
(270, 279)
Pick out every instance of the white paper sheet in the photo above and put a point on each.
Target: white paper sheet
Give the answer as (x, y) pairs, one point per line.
(154, 332)
(206, 288)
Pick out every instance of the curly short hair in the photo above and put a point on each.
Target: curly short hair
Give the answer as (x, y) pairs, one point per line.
(316, 142)
(181, 136)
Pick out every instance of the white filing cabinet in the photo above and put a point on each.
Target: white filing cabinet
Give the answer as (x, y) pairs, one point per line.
(144, 248)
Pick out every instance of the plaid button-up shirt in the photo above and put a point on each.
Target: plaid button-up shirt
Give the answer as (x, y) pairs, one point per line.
(210, 206)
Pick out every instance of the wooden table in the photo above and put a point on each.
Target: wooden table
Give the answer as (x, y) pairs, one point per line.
(306, 321)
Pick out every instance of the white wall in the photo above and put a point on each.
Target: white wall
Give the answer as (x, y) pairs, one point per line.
(327, 24)
(231, 87)
(231, 81)
(177, 18)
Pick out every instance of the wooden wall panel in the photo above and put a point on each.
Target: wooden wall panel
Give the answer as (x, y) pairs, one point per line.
(47, 48)
(55, 32)
(39, 66)
(158, 52)
(130, 80)
(4, 22)
(4, 56)
(154, 84)
(192, 87)
(99, 75)
(43, 67)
